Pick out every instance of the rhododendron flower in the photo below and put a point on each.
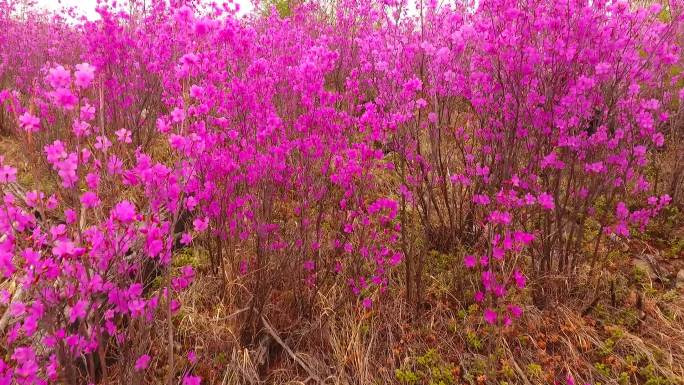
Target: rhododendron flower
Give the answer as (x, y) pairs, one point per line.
(658, 139)
(515, 311)
(17, 308)
(29, 122)
(142, 362)
(64, 248)
(186, 239)
(184, 14)
(58, 77)
(546, 201)
(102, 143)
(89, 199)
(64, 98)
(8, 174)
(191, 380)
(84, 75)
(490, 316)
(178, 115)
(596, 167)
(479, 296)
(78, 311)
(200, 224)
(665, 200)
(621, 210)
(481, 199)
(309, 265)
(482, 171)
(81, 128)
(500, 217)
(520, 279)
(367, 303)
(192, 357)
(69, 216)
(124, 135)
(124, 212)
(196, 91)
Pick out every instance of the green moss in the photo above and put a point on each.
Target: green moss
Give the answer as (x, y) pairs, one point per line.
(534, 370)
(651, 376)
(473, 340)
(603, 369)
(406, 376)
(623, 379)
(196, 256)
(427, 369)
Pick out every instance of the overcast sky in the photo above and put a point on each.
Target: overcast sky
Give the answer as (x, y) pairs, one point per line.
(87, 7)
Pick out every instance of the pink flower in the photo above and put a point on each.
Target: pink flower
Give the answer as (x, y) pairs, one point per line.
(309, 265)
(470, 261)
(367, 303)
(490, 316)
(501, 217)
(192, 357)
(596, 167)
(191, 380)
(602, 68)
(124, 212)
(482, 171)
(520, 279)
(196, 91)
(658, 139)
(124, 135)
(64, 248)
(65, 99)
(55, 151)
(178, 115)
(89, 199)
(184, 14)
(85, 73)
(546, 201)
(480, 199)
(479, 296)
(515, 311)
(142, 362)
(69, 216)
(200, 224)
(621, 210)
(186, 239)
(29, 122)
(58, 77)
(78, 311)
(4, 297)
(81, 128)
(17, 309)
(8, 174)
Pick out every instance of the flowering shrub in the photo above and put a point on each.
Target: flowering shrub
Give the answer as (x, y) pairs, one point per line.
(82, 255)
(307, 150)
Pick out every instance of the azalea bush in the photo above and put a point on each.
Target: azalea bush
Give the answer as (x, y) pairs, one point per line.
(84, 256)
(335, 147)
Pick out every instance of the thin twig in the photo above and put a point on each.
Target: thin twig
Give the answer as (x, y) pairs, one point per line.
(289, 351)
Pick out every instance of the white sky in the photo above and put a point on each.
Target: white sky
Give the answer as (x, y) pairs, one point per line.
(87, 7)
